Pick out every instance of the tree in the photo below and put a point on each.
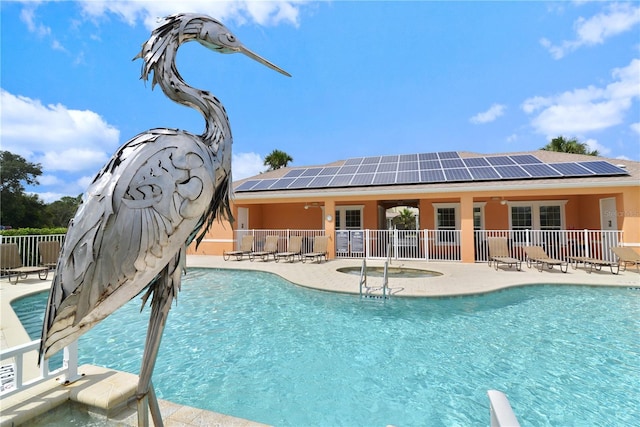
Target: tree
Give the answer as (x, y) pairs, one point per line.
(61, 211)
(405, 220)
(277, 159)
(19, 209)
(563, 145)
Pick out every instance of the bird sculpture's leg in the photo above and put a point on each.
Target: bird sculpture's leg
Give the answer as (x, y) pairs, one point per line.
(164, 291)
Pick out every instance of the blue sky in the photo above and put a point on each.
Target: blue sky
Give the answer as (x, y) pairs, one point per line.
(368, 78)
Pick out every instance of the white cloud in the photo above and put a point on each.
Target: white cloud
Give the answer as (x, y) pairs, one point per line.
(586, 109)
(635, 127)
(27, 15)
(595, 145)
(260, 12)
(244, 165)
(54, 135)
(495, 111)
(617, 19)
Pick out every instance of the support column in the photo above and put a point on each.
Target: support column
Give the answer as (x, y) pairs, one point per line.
(330, 227)
(467, 246)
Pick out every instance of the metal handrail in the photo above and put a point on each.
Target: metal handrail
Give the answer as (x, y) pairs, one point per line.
(363, 275)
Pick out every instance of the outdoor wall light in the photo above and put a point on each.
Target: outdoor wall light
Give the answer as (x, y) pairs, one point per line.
(329, 218)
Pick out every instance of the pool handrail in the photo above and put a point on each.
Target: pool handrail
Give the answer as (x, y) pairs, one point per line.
(502, 414)
(66, 374)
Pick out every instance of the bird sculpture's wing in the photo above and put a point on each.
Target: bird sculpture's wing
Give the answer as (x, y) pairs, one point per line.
(138, 213)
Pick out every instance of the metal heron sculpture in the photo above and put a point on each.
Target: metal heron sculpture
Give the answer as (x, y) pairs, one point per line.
(159, 192)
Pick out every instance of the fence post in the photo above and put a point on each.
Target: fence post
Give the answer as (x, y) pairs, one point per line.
(587, 244)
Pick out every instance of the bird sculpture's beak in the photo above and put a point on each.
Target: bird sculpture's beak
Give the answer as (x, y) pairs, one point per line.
(260, 59)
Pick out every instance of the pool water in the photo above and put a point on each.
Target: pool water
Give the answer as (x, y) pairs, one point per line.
(252, 345)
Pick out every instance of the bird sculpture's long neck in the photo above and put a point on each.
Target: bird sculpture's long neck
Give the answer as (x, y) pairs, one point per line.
(166, 75)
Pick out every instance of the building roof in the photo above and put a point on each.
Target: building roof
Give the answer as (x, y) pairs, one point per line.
(442, 172)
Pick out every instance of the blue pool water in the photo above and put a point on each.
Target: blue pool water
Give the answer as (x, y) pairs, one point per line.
(252, 345)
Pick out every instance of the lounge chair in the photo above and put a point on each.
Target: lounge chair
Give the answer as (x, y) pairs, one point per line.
(270, 248)
(246, 246)
(11, 264)
(499, 253)
(293, 249)
(537, 255)
(49, 252)
(627, 255)
(319, 249)
(591, 264)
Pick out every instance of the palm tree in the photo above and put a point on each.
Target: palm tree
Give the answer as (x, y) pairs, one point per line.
(563, 145)
(405, 220)
(277, 159)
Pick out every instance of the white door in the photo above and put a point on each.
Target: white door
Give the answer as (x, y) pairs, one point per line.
(243, 219)
(608, 214)
(609, 225)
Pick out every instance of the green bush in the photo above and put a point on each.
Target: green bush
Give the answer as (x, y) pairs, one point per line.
(33, 231)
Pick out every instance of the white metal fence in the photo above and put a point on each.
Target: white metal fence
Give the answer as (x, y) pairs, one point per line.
(445, 245)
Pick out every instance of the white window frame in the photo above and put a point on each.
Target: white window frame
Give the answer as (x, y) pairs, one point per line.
(342, 211)
(456, 207)
(535, 211)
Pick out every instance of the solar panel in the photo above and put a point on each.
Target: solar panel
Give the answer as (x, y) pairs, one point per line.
(540, 170)
(320, 181)
(389, 159)
(408, 157)
(476, 162)
(264, 184)
(484, 173)
(294, 172)
(430, 164)
(369, 160)
(364, 168)
(432, 175)
(384, 178)
(330, 170)
(525, 159)
(362, 179)
(387, 167)
(603, 168)
(428, 168)
(407, 177)
(500, 161)
(347, 170)
(340, 180)
(511, 172)
(458, 174)
(247, 185)
(428, 156)
(408, 166)
(311, 172)
(353, 162)
(281, 184)
(301, 182)
(571, 169)
(452, 163)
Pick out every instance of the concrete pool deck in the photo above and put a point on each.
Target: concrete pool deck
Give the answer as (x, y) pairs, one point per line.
(106, 390)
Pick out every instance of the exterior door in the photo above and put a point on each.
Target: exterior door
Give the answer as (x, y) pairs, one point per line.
(243, 218)
(609, 226)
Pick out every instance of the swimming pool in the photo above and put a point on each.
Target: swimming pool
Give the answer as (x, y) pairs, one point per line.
(251, 345)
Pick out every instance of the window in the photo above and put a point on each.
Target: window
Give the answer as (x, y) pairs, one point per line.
(550, 218)
(538, 215)
(349, 217)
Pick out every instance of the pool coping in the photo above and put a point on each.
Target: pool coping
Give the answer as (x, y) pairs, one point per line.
(104, 389)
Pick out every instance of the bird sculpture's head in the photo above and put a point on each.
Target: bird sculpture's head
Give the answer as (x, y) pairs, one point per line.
(215, 36)
(159, 51)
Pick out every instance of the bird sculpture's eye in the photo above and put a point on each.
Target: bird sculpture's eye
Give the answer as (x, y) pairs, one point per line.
(231, 38)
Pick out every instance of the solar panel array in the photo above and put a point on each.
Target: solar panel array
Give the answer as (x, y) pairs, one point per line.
(428, 168)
